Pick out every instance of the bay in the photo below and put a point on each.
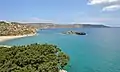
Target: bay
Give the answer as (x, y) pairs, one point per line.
(98, 51)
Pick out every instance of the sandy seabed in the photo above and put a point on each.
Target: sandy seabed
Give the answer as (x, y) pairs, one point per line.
(5, 38)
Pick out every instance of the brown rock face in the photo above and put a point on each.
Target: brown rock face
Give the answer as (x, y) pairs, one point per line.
(13, 29)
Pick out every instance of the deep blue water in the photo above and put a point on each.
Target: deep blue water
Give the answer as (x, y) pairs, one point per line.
(98, 51)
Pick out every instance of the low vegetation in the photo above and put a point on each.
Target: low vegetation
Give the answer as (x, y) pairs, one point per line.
(13, 29)
(32, 58)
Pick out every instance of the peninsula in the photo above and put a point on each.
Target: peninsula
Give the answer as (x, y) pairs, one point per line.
(53, 25)
(12, 30)
(33, 58)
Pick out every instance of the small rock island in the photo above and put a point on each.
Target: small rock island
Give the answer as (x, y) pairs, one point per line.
(74, 32)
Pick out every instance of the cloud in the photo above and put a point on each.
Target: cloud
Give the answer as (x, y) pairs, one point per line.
(108, 5)
(93, 2)
(111, 8)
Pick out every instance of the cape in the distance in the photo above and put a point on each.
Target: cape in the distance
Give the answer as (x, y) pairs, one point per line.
(53, 25)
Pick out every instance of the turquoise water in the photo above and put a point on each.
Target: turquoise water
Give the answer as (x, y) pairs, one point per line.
(98, 51)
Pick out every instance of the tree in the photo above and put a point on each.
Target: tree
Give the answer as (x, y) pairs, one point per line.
(32, 58)
(63, 59)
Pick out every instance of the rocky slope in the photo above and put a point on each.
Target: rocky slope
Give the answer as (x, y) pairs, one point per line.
(13, 29)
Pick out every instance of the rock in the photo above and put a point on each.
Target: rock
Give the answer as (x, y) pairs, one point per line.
(74, 32)
(5, 46)
(62, 71)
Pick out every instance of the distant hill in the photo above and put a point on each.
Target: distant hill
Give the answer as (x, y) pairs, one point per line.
(94, 26)
(52, 25)
(15, 28)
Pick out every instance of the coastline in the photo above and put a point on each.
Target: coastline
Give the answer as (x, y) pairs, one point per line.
(5, 46)
(5, 38)
(62, 70)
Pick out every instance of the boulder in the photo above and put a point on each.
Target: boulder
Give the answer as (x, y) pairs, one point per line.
(62, 71)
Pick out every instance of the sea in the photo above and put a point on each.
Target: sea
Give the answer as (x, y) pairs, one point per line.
(98, 51)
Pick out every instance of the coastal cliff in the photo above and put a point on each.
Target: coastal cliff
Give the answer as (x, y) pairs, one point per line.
(15, 29)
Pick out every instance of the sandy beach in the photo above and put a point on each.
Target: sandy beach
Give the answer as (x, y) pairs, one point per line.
(5, 38)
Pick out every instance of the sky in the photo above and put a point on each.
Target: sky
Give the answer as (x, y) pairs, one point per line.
(105, 12)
